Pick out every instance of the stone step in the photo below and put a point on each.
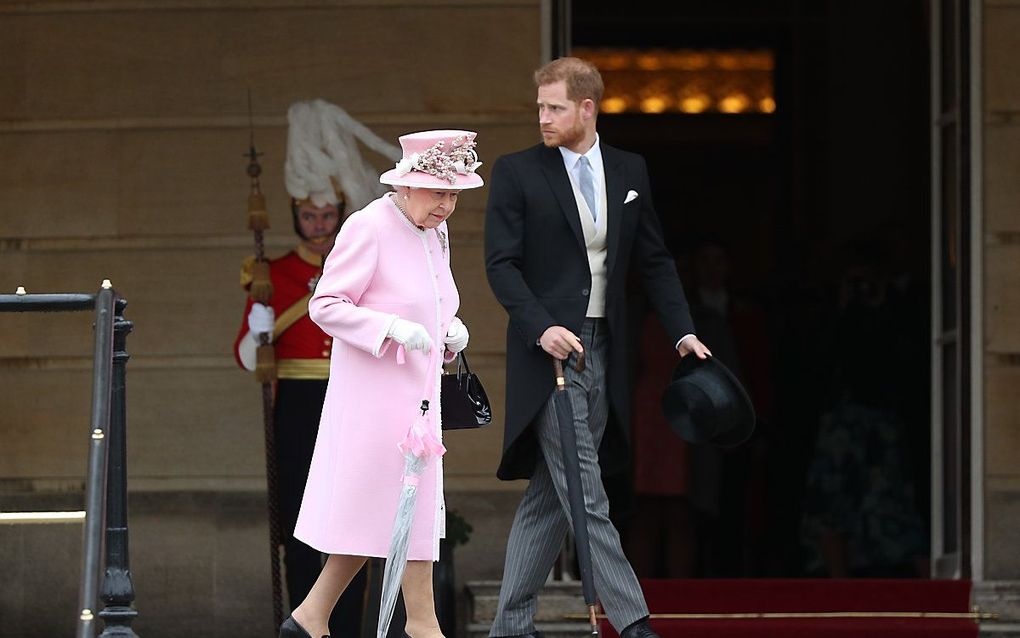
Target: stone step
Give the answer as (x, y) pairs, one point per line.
(556, 600)
(549, 630)
(997, 631)
(199, 565)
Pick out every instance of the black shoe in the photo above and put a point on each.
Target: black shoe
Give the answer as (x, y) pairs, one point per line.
(291, 629)
(639, 629)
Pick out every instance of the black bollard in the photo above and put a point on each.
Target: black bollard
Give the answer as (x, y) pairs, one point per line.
(118, 592)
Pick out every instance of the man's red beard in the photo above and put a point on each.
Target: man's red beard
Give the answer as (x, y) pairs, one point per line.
(567, 138)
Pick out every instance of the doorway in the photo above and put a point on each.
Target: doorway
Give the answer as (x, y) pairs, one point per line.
(802, 237)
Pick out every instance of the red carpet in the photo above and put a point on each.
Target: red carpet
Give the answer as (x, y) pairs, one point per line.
(790, 596)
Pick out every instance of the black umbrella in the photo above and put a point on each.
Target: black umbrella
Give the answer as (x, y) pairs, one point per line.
(575, 493)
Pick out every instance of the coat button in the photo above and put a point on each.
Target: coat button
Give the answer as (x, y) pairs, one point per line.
(585, 292)
(327, 342)
(325, 353)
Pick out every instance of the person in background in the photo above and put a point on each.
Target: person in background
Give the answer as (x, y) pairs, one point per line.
(321, 194)
(861, 514)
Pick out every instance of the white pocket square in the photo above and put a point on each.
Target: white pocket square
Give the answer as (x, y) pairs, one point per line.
(631, 196)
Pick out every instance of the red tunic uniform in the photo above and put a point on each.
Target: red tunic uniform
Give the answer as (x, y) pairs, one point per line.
(302, 367)
(303, 349)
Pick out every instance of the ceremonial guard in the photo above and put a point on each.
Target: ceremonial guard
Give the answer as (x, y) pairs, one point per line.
(326, 179)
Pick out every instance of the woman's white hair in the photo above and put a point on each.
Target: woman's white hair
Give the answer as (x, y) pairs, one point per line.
(322, 147)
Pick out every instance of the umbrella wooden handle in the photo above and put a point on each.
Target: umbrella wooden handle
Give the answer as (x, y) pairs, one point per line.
(558, 370)
(561, 385)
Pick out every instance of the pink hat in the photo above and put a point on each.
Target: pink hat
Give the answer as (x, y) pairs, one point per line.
(436, 159)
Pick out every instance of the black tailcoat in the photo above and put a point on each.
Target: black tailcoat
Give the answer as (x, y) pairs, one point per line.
(537, 265)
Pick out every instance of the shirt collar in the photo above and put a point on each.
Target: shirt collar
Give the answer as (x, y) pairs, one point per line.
(594, 155)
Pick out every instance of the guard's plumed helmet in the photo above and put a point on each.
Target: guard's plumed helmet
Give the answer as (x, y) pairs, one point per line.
(324, 165)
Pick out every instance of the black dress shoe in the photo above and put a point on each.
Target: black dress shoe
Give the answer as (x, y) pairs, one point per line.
(639, 629)
(291, 629)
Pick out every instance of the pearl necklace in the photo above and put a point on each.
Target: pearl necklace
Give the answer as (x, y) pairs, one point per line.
(440, 234)
(396, 202)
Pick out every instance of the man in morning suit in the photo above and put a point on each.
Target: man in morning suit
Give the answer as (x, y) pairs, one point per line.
(566, 221)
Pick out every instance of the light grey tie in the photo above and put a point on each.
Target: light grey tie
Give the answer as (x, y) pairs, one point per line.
(586, 180)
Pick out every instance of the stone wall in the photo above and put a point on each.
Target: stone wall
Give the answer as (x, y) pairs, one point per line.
(1001, 242)
(123, 126)
(1001, 157)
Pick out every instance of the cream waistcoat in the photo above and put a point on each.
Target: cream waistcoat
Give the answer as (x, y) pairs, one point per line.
(595, 242)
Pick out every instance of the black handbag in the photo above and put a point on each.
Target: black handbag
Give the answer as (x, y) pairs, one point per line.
(462, 398)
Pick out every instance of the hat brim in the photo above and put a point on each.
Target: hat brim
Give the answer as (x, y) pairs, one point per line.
(417, 179)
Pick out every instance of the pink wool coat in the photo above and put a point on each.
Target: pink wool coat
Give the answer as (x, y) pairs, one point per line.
(381, 268)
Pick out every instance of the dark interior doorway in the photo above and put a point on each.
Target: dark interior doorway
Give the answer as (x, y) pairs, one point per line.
(821, 213)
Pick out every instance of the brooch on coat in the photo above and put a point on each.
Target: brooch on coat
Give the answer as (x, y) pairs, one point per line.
(442, 240)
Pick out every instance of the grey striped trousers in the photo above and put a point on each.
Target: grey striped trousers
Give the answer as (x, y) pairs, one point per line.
(542, 519)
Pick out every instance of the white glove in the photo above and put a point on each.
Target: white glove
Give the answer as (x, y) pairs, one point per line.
(457, 336)
(261, 319)
(412, 335)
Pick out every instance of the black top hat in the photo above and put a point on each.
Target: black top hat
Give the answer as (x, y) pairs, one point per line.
(705, 403)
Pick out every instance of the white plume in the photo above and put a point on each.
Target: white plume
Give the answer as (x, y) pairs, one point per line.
(322, 142)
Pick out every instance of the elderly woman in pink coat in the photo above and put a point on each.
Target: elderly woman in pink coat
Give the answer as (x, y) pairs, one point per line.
(388, 299)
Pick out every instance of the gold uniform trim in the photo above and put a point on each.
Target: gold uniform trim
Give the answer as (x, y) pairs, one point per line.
(247, 270)
(307, 256)
(291, 316)
(305, 369)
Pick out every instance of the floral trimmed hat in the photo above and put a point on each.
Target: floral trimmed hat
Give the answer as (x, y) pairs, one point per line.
(436, 159)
